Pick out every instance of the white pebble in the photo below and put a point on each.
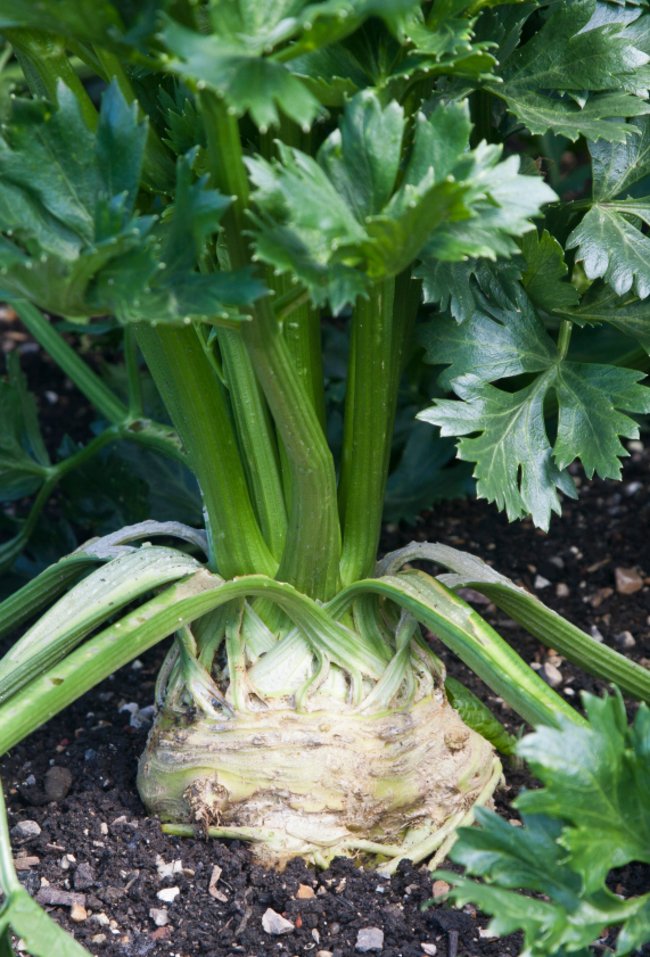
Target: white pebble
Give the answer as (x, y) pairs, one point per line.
(369, 938)
(159, 916)
(168, 894)
(276, 924)
(595, 634)
(540, 582)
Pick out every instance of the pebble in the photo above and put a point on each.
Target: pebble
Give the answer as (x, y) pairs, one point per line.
(103, 827)
(486, 933)
(557, 561)
(335, 929)
(625, 639)
(168, 894)
(550, 674)
(370, 938)
(78, 914)
(635, 446)
(324, 953)
(25, 831)
(305, 892)
(596, 634)
(101, 919)
(98, 939)
(633, 487)
(540, 582)
(628, 581)
(161, 933)
(429, 949)
(57, 783)
(159, 916)
(440, 888)
(562, 590)
(168, 870)
(276, 924)
(84, 877)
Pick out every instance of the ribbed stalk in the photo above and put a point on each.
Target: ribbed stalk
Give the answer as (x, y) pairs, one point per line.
(46, 55)
(311, 553)
(256, 440)
(302, 333)
(370, 403)
(194, 401)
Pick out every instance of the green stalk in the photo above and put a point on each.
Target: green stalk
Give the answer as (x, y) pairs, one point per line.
(193, 398)
(370, 403)
(301, 329)
(46, 54)
(152, 435)
(96, 391)
(311, 553)
(256, 439)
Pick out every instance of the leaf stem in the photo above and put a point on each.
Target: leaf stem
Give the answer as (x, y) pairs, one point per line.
(370, 403)
(311, 552)
(194, 400)
(564, 338)
(87, 381)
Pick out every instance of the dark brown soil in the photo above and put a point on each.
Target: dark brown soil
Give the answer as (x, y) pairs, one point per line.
(102, 823)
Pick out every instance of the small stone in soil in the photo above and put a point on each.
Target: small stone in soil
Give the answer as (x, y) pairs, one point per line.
(25, 831)
(84, 877)
(562, 590)
(429, 949)
(487, 934)
(168, 894)
(550, 674)
(276, 924)
(625, 639)
(595, 634)
(540, 582)
(370, 938)
(440, 888)
(78, 914)
(323, 953)
(628, 581)
(159, 916)
(57, 784)
(98, 939)
(305, 891)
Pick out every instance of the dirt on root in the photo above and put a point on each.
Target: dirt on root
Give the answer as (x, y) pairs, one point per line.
(97, 843)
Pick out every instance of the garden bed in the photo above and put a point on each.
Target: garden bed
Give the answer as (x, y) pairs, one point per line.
(97, 842)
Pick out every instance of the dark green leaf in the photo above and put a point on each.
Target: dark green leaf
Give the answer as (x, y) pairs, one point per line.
(545, 277)
(566, 55)
(608, 239)
(516, 466)
(596, 779)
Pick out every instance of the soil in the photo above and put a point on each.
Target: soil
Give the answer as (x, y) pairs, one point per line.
(97, 842)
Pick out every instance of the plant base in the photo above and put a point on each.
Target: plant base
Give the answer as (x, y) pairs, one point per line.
(318, 784)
